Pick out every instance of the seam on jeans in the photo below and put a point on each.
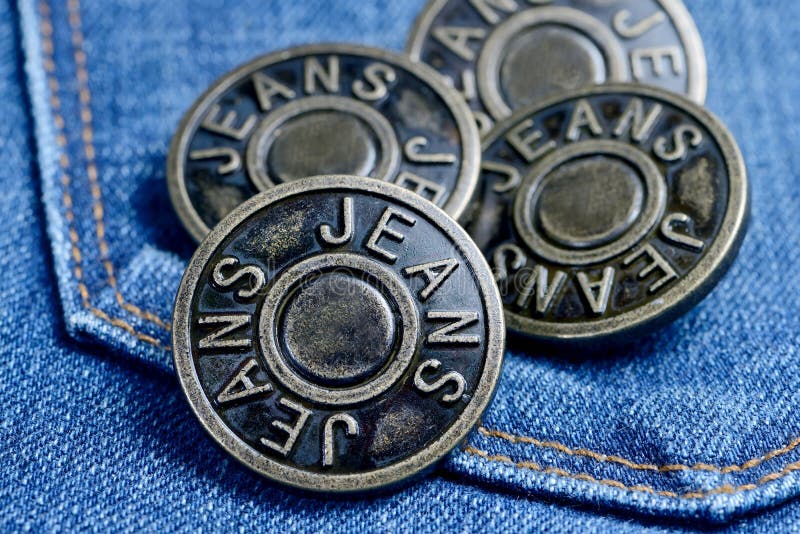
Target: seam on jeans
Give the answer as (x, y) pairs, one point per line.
(725, 489)
(46, 30)
(611, 458)
(87, 136)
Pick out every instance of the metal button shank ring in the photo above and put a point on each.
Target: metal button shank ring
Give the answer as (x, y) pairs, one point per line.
(610, 60)
(265, 136)
(357, 266)
(527, 200)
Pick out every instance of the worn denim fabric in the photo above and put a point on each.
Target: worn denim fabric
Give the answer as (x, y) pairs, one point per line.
(698, 424)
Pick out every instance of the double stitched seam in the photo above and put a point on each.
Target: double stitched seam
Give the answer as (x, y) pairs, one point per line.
(726, 489)
(610, 458)
(87, 137)
(48, 61)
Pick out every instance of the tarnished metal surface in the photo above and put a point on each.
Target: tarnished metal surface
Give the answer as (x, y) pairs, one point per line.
(506, 54)
(608, 212)
(338, 333)
(321, 109)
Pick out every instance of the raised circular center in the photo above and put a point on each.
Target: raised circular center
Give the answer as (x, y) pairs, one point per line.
(544, 51)
(337, 330)
(589, 202)
(322, 142)
(548, 59)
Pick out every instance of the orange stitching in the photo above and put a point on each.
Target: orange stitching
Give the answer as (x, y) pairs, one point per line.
(87, 135)
(724, 489)
(119, 323)
(46, 29)
(86, 117)
(669, 468)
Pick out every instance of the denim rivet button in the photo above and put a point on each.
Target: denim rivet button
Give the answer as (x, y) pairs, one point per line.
(322, 109)
(608, 211)
(505, 55)
(338, 333)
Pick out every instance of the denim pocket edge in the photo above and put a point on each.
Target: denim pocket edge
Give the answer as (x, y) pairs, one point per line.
(85, 271)
(97, 308)
(711, 493)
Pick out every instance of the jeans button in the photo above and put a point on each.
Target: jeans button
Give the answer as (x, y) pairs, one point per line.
(608, 212)
(338, 333)
(317, 110)
(507, 55)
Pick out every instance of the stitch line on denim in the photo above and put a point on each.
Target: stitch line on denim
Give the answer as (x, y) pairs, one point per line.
(725, 489)
(612, 458)
(87, 136)
(46, 30)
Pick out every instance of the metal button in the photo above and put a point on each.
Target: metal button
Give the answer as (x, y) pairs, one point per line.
(322, 109)
(503, 55)
(338, 333)
(608, 211)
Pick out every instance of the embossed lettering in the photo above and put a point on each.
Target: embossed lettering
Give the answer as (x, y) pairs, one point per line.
(292, 430)
(458, 320)
(421, 186)
(267, 87)
(634, 120)
(257, 277)
(679, 141)
(622, 19)
(657, 57)
(241, 386)
(469, 90)
(583, 116)
(454, 378)
(435, 273)
(469, 85)
(545, 289)
(378, 75)
(230, 324)
(227, 126)
(412, 153)
(501, 260)
(326, 231)
(656, 261)
(382, 230)
(484, 122)
(456, 39)
(486, 8)
(522, 139)
(513, 176)
(233, 160)
(350, 429)
(597, 293)
(327, 77)
(685, 240)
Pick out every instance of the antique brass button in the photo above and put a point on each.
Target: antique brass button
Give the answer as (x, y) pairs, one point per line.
(503, 55)
(321, 109)
(608, 212)
(338, 333)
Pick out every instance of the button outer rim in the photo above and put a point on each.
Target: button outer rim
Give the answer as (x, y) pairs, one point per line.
(393, 474)
(697, 68)
(467, 180)
(698, 283)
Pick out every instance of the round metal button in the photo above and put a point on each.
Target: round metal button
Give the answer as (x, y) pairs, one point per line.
(338, 333)
(322, 109)
(504, 55)
(608, 212)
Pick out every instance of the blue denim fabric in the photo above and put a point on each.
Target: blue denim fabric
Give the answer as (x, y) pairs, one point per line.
(697, 424)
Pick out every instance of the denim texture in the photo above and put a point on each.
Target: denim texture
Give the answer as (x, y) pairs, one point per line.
(697, 424)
